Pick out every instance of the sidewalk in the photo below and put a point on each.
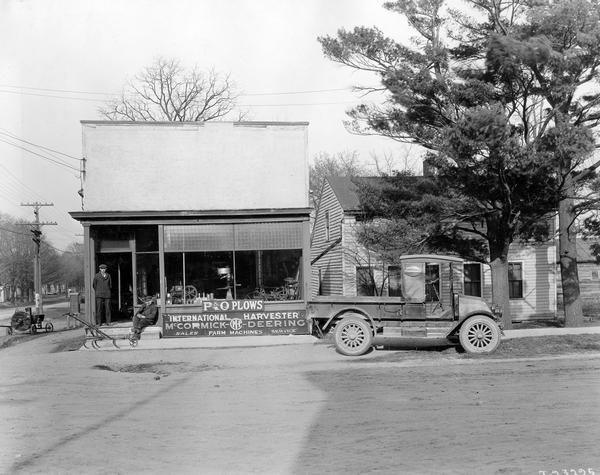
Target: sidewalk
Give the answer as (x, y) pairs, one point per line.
(155, 343)
(550, 331)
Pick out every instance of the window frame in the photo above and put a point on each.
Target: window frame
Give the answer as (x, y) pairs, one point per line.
(395, 270)
(372, 285)
(437, 284)
(519, 281)
(471, 281)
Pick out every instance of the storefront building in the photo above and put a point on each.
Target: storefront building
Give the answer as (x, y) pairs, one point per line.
(211, 217)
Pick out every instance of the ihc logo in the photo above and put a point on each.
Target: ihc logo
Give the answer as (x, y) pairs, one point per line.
(235, 323)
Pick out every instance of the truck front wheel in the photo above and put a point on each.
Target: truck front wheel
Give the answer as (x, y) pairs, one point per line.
(479, 334)
(353, 336)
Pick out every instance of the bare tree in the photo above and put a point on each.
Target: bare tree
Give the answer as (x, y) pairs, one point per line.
(165, 91)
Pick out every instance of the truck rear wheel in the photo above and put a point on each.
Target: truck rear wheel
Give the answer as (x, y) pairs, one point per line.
(353, 336)
(479, 334)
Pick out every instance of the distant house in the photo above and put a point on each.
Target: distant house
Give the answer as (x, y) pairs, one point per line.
(341, 266)
(588, 270)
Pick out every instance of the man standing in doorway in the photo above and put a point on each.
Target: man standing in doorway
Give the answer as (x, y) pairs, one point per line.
(102, 285)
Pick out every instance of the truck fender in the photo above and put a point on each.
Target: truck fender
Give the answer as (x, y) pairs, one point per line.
(347, 312)
(476, 313)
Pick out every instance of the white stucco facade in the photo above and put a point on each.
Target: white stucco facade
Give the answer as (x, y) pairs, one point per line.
(143, 166)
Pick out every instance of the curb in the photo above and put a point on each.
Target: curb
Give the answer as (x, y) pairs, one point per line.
(205, 343)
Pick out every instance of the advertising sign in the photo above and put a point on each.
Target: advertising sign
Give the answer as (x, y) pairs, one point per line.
(234, 318)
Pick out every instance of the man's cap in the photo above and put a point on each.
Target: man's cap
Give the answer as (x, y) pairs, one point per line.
(103, 266)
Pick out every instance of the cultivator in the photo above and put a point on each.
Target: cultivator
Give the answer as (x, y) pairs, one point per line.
(93, 334)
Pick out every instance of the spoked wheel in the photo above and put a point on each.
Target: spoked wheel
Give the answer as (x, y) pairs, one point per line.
(20, 321)
(353, 336)
(190, 292)
(479, 335)
(33, 329)
(49, 327)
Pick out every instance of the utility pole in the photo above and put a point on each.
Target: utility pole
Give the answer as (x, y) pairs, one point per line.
(37, 265)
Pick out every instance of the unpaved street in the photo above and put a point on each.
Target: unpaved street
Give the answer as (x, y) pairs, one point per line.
(294, 409)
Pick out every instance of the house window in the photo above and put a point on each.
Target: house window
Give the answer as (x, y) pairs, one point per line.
(515, 280)
(394, 281)
(432, 282)
(472, 279)
(320, 292)
(595, 275)
(327, 223)
(365, 283)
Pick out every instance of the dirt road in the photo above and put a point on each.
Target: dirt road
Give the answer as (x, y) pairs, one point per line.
(294, 409)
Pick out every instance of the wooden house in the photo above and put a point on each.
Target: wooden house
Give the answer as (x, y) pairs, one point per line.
(341, 266)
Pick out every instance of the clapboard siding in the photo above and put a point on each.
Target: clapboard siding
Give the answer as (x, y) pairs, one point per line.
(330, 263)
(539, 281)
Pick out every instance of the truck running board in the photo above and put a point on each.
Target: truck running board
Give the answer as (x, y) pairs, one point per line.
(414, 332)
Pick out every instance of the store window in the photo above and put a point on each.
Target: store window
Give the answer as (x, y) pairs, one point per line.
(365, 282)
(472, 279)
(241, 261)
(146, 238)
(515, 280)
(146, 261)
(147, 274)
(395, 281)
(432, 282)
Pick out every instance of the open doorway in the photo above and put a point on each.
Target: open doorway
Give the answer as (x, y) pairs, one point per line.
(120, 271)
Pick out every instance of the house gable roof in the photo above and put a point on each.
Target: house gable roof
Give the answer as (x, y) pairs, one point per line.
(346, 191)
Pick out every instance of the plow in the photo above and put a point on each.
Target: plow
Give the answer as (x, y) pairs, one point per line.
(93, 334)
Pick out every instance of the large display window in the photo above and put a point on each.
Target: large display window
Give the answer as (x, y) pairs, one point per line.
(235, 261)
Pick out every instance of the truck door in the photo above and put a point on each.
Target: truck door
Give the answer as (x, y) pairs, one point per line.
(413, 282)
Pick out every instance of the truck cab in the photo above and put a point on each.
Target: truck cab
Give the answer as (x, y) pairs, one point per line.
(431, 309)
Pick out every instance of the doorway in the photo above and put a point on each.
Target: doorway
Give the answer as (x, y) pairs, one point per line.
(120, 270)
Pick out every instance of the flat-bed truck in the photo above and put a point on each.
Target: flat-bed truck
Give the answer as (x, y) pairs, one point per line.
(443, 315)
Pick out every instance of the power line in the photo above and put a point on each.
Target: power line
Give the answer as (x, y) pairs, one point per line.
(24, 185)
(49, 95)
(17, 191)
(314, 91)
(39, 155)
(57, 90)
(243, 105)
(14, 232)
(298, 104)
(9, 134)
(10, 187)
(281, 93)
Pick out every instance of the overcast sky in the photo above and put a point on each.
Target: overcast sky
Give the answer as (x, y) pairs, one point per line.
(49, 47)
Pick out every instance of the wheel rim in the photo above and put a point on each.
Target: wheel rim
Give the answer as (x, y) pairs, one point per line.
(353, 336)
(480, 335)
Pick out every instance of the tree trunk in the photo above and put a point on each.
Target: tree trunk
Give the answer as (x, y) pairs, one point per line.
(567, 250)
(500, 296)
